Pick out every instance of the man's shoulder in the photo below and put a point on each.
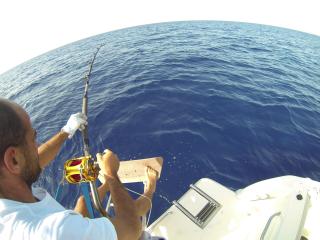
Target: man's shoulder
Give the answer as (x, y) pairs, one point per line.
(79, 227)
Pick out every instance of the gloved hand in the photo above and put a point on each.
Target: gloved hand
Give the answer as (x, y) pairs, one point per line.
(75, 122)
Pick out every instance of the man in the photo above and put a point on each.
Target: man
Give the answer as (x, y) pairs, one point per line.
(31, 213)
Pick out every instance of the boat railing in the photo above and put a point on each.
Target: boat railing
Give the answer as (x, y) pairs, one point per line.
(292, 217)
(268, 224)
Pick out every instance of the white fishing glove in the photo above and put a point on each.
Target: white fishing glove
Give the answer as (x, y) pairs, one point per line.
(75, 122)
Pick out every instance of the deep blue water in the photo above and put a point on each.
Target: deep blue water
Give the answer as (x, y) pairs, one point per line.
(233, 102)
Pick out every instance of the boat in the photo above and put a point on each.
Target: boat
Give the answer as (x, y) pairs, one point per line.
(281, 208)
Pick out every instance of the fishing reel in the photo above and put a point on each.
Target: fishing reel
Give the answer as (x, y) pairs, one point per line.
(81, 169)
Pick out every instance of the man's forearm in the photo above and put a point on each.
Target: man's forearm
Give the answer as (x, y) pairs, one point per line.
(126, 221)
(48, 151)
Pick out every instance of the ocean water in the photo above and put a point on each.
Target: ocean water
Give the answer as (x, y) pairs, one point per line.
(234, 102)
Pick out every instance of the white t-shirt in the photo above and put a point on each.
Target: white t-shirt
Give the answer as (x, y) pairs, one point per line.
(48, 220)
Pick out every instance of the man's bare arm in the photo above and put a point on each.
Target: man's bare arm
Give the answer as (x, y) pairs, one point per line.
(49, 150)
(126, 221)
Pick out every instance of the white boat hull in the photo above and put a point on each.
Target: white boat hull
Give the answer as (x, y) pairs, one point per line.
(283, 208)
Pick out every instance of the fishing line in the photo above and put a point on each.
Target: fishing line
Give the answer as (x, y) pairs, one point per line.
(146, 198)
(128, 189)
(164, 198)
(60, 188)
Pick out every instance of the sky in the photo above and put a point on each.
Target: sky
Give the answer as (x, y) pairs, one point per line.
(29, 28)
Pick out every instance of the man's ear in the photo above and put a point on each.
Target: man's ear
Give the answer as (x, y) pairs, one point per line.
(10, 160)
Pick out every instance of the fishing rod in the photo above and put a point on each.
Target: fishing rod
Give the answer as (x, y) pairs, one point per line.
(85, 138)
(85, 169)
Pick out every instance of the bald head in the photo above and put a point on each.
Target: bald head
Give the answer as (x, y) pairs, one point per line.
(12, 127)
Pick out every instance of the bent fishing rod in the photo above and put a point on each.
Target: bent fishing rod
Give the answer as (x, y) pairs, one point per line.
(85, 138)
(85, 169)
